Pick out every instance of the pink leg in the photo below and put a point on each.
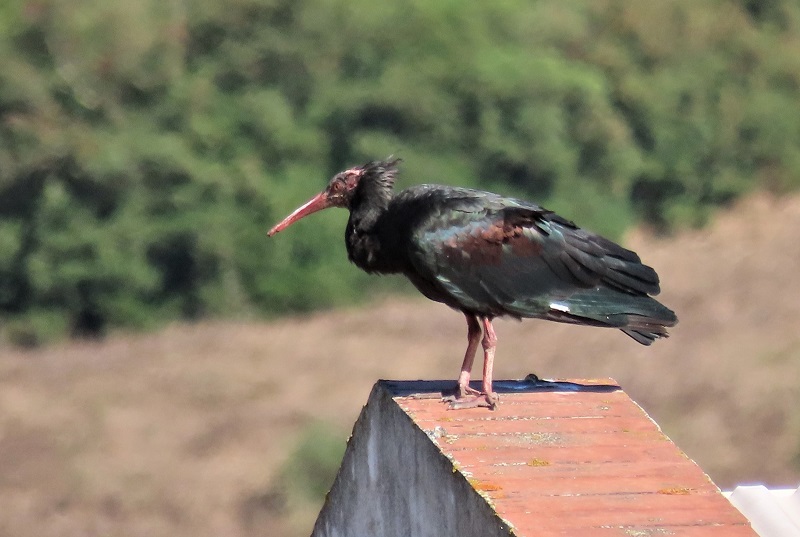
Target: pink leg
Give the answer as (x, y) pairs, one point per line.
(486, 398)
(489, 346)
(473, 337)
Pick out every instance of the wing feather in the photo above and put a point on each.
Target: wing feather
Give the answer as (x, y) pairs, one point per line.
(498, 256)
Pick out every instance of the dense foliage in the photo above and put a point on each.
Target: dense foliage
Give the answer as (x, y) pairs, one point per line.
(146, 147)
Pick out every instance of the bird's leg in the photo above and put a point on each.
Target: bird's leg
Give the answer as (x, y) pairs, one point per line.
(485, 398)
(473, 337)
(489, 346)
(463, 394)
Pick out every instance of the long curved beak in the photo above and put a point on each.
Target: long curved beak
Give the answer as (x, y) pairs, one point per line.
(317, 203)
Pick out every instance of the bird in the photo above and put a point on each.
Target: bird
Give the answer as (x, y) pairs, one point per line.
(490, 256)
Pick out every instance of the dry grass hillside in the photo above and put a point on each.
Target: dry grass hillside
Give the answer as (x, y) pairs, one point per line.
(183, 432)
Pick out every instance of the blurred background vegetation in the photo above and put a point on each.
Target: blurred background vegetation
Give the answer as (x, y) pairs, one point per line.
(146, 147)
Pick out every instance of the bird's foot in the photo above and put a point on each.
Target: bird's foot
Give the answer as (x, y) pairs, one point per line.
(459, 392)
(476, 400)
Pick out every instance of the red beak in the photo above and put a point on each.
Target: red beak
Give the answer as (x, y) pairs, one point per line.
(317, 203)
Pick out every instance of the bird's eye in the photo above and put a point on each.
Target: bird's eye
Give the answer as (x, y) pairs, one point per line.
(351, 179)
(337, 186)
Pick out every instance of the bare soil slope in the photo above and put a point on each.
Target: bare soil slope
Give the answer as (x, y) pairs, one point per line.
(181, 432)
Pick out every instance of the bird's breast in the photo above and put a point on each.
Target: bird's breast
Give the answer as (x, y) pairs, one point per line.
(371, 254)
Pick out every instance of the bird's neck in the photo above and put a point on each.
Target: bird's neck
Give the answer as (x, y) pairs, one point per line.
(368, 243)
(372, 197)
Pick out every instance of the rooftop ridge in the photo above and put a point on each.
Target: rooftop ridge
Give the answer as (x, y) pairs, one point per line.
(571, 457)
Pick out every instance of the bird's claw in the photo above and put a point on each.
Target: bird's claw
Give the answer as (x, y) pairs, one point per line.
(459, 392)
(478, 400)
(466, 390)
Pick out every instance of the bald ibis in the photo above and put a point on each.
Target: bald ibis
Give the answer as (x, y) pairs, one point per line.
(489, 256)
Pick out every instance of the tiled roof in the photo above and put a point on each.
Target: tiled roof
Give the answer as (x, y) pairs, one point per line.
(556, 458)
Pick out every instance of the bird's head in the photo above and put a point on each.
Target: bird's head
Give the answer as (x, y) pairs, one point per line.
(343, 189)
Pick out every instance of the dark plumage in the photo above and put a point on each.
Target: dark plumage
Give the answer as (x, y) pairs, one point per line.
(488, 256)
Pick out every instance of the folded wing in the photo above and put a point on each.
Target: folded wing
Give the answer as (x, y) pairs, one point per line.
(502, 256)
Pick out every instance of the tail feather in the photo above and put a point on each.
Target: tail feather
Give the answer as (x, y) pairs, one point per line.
(645, 330)
(643, 318)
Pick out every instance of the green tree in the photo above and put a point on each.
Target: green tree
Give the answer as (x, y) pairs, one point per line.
(146, 147)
